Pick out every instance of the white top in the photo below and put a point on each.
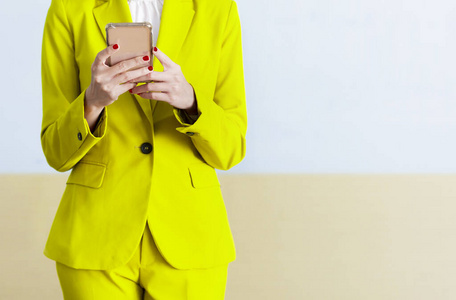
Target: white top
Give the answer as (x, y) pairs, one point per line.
(147, 11)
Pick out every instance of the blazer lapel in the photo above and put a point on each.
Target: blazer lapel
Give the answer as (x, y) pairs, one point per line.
(176, 18)
(111, 11)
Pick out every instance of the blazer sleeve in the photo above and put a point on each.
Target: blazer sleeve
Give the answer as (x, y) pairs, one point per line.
(65, 134)
(219, 132)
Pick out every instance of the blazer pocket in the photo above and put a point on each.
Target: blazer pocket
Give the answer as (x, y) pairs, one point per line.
(203, 176)
(89, 174)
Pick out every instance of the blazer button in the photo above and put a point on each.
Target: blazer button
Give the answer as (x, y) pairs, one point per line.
(146, 148)
(79, 136)
(190, 133)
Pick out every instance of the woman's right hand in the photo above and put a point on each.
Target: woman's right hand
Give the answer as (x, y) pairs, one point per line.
(109, 82)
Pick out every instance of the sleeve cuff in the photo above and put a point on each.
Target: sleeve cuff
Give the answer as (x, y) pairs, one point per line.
(84, 135)
(184, 118)
(100, 128)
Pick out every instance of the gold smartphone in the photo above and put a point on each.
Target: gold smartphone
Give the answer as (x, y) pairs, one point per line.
(134, 39)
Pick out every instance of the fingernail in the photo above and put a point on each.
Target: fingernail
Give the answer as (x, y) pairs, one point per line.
(115, 47)
(150, 68)
(131, 91)
(146, 58)
(155, 49)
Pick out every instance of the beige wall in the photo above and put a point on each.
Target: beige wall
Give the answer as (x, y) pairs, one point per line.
(298, 236)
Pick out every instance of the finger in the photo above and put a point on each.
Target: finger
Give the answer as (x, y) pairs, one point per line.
(129, 76)
(128, 64)
(104, 54)
(164, 59)
(123, 88)
(155, 87)
(154, 76)
(156, 96)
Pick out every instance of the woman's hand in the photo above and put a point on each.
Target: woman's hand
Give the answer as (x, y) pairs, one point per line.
(168, 86)
(108, 83)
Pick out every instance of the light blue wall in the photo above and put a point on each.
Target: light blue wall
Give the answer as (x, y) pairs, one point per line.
(332, 86)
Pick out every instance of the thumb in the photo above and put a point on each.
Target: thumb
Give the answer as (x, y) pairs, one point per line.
(163, 59)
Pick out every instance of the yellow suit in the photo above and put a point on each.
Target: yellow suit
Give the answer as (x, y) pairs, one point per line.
(116, 185)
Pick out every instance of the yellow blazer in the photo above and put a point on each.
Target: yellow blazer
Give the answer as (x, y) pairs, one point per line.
(115, 186)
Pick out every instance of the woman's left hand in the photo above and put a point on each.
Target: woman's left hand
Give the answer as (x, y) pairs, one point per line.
(168, 86)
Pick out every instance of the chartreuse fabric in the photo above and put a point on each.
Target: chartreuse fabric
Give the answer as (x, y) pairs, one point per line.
(114, 188)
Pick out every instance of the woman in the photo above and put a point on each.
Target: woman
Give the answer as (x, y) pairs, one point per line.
(142, 214)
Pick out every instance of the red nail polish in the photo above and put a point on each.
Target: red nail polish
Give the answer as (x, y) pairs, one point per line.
(146, 58)
(150, 68)
(155, 49)
(115, 47)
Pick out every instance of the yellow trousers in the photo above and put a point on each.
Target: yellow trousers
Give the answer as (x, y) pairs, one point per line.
(146, 276)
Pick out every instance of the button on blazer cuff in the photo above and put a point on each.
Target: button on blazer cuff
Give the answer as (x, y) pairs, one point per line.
(68, 139)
